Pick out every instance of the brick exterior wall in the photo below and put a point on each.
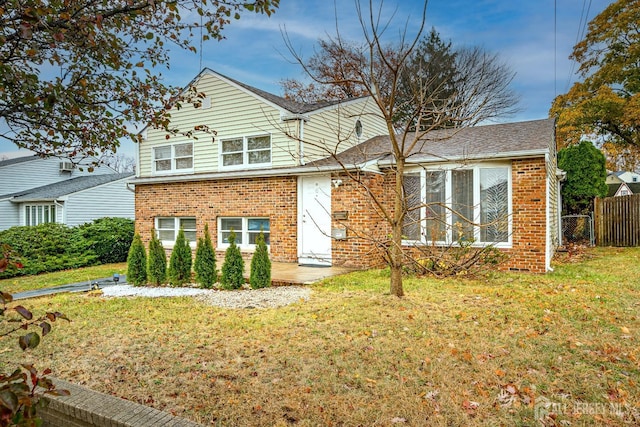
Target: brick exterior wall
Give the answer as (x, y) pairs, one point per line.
(364, 223)
(366, 229)
(273, 198)
(529, 186)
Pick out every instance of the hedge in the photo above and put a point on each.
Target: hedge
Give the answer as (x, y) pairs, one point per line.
(52, 247)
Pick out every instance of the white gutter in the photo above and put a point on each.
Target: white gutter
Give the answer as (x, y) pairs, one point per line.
(258, 173)
(526, 154)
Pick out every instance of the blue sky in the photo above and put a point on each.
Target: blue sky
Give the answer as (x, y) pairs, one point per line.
(521, 32)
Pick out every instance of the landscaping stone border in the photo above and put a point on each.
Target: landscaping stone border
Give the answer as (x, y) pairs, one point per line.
(86, 408)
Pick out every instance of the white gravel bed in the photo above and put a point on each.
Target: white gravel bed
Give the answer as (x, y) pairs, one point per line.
(245, 298)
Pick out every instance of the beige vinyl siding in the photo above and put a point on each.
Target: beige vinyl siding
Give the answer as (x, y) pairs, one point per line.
(233, 113)
(333, 129)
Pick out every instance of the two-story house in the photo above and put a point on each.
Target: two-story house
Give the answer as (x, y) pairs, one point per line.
(281, 167)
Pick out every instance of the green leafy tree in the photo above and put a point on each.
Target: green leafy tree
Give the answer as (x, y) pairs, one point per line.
(137, 262)
(586, 176)
(260, 276)
(205, 264)
(157, 261)
(606, 102)
(103, 53)
(233, 267)
(180, 261)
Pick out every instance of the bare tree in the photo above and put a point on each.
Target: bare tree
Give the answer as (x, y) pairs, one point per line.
(120, 162)
(379, 66)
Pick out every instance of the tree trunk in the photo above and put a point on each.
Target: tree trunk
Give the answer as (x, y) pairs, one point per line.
(396, 280)
(395, 253)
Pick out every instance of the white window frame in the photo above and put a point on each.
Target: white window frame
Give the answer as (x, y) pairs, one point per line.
(173, 158)
(476, 203)
(245, 152)
(244, 232)
(177, 223)
(44, 213)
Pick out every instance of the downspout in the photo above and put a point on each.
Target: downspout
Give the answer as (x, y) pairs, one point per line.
(61, 206)
(301, 119)
(301, 141)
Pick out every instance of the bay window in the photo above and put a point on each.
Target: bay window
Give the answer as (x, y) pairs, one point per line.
(466, 204)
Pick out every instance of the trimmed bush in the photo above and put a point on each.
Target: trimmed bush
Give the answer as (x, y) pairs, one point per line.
(156, 262)
(233, 268)
(137, 263)
(205, 264)
(45, 248)
(180, 261)
(108, 238)
(260, 276)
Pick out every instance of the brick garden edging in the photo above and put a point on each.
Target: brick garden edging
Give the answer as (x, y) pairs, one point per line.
(85, 408)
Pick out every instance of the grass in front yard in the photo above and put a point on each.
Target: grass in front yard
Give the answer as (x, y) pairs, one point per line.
(86, 274)
(453, 352)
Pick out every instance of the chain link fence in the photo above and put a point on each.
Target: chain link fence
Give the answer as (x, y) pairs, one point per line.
(577, 229)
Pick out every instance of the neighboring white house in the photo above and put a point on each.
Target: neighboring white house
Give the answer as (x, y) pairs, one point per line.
(34, 190)
(623, 176)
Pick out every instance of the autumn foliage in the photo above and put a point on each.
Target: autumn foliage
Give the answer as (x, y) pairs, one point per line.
(606, 103)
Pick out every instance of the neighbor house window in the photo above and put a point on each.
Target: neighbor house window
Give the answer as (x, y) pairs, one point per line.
(246, 151)
(246, 230)
(173, 158)
(167, 229)
(39, 214)
(458, 205)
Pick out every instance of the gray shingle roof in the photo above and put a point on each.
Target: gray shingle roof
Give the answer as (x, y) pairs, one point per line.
(478, 142)
(17, 160)
(64, 188)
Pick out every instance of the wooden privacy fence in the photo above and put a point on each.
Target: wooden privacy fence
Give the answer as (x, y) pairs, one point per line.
(617, 221)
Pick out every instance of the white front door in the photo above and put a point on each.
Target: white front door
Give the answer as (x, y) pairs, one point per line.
(314, 220)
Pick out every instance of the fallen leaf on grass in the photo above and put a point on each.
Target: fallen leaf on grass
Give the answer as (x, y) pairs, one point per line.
(470, 406)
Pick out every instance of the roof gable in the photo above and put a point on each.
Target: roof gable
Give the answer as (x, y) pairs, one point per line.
(277, 101)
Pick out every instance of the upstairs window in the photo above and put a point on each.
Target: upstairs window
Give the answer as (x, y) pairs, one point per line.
(173, 158)
(249, 151)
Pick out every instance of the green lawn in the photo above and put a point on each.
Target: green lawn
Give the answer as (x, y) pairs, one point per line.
(489, 351)
(87, 274)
